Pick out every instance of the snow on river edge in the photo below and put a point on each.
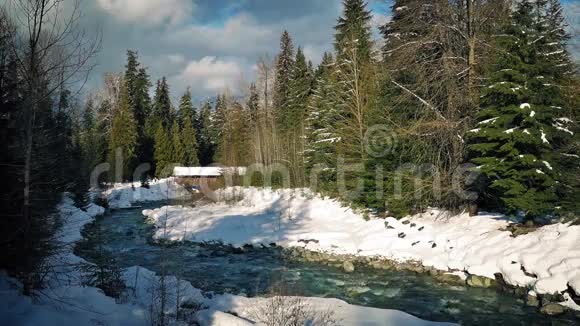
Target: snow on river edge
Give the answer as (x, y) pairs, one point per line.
(545, 261)
(69, 303)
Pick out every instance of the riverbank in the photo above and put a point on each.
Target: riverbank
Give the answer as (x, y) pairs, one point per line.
(480, 251)
(68, 302)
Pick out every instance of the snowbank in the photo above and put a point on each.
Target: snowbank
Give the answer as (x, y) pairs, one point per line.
(341, 312)
(68, 303)
(122, 195)
(546, 260)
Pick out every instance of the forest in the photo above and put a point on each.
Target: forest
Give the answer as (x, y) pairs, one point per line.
(464, 105)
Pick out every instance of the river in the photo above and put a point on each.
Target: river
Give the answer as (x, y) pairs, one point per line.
(220, 269)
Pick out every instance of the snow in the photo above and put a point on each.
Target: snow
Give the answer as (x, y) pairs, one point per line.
(525, 106)
(548, 165)
(68, 303)
(122, 195)
(488, 120)
(207, 171)
(509, 131)
(476, 245)
(344, 313)
(571, 155)
(563, 129)
(544, 139)
(538, 171)
(532, 114)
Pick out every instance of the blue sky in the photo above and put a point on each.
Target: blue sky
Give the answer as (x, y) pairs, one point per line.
(214, 44)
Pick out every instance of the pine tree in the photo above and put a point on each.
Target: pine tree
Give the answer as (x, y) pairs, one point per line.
(189, 141)
(353, 30)
(123, 135)
(102, 131)
(186, 110)
(520, 130)
(89, 138)
(178, 152)
(293, 117)
(206, 136)
(284, 67)
(163, 151)
(321, 127)
(138, 84)
(162, 109)
(218, 125)
(355, 76)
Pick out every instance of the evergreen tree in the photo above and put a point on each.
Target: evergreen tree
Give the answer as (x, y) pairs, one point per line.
(102, 131)
(520, 129)
(217, 125)
(163, 151)
(206, 136)
(162, 109)
(299, 91)
(186, 110)
(353, 31)
(189, 141)
(89, 138)
(284, 67)
(178, 153)
(355, 76)
(137, 87)
(123, 136)
(138, 84)
(292, 126)
(321, 127)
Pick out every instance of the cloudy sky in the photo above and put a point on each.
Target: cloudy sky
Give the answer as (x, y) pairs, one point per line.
(213, 44)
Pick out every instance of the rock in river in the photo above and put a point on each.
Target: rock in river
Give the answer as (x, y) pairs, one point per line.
(480, 281)
(348, 266)
(552, 309)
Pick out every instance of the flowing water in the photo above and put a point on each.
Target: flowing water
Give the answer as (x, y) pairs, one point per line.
(220, 269)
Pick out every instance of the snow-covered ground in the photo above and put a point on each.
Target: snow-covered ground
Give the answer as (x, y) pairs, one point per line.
(123, 195)
(66, 302)
(546, 260)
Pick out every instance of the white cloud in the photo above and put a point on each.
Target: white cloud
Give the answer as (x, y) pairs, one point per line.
(211, 75)
(153, 12)
(239, 34)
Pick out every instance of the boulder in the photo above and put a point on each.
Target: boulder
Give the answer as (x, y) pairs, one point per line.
(348, 266)
(449, 278)
(480, 281)
(532, 300)
(552, 309)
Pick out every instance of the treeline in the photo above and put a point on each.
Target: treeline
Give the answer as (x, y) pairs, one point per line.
(44, 56)
(140, 137)
(461, 104)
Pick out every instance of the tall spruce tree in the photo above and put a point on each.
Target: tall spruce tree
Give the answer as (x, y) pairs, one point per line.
(293, 117)
(186, 110)
(189, 142)
(207, 143)
(322, 132)
(138, 84)
(162, 109)
(178, 152)
(284, 67)
(355, 74)
(353, 30)
(163, 151)
(520, 127)
(123, 137)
